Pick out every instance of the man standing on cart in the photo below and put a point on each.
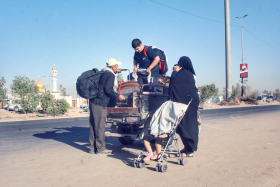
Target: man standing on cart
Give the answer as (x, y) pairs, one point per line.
(149, 62)
(98, 107)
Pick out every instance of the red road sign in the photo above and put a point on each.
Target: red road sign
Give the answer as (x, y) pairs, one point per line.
(244, 70)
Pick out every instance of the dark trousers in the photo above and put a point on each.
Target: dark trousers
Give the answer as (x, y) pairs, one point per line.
(142, 79)
(97, 127)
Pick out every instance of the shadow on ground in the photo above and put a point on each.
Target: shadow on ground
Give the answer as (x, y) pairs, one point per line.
(77, 137)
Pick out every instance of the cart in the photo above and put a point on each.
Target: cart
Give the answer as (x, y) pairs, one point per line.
(130, 119)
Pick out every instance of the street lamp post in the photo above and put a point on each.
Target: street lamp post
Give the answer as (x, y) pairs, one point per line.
(243, 87)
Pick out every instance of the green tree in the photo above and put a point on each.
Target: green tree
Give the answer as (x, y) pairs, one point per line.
(24, 90)
(62, 90)
(47, 100)
(236, 91)
(206, 92)
(58, 107)
(3, 89)
(277, 95)
(120, 77)
(265, 92)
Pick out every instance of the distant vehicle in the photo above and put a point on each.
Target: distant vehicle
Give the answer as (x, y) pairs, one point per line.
(270, 99)
(265, 96)
(15, 105)
(85, 106)
(260, 98)
(6, 105)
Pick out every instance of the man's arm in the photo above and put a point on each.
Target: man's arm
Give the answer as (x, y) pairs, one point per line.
(134, 66)
(108, 87)
(153, 64)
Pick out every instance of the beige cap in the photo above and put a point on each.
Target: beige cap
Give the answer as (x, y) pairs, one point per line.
(112, 62)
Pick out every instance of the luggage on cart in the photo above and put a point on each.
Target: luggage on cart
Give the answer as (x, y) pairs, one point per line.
(127, 89)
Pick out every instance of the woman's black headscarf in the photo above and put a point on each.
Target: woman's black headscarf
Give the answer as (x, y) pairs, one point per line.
(186, 63)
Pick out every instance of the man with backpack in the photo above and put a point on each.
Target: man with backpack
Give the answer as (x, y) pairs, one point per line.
(107, 88)
(146, 59)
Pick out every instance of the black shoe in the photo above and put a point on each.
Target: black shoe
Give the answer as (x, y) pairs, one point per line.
(105, 151)
(183, 151)
(187, 154)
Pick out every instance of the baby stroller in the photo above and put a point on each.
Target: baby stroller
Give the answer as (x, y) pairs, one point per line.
(171, 147)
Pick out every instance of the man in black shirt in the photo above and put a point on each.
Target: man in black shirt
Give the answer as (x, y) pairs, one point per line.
(108, 85)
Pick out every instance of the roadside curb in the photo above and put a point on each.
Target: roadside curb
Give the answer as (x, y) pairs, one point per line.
(235, 106)
(40, 118)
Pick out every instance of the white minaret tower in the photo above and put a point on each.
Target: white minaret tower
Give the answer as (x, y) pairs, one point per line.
(54, 80)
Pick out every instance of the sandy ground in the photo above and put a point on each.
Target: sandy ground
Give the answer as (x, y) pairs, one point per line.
(237, 151)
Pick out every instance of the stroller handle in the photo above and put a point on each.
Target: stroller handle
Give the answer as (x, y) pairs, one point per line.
(190, 99)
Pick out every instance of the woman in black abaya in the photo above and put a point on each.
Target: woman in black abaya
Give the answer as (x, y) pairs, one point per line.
(182, 84)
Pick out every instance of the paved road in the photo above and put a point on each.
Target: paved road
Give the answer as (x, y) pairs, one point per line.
(28, 134)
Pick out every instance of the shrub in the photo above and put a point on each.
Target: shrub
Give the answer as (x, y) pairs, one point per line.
(250, 99)
(224, 103)
(254, 96)
(277, 96)
(234, 95)
(206, 92)
(47, 100)
(59, 107)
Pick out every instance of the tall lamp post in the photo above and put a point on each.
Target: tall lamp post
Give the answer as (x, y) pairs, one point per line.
(243, 87)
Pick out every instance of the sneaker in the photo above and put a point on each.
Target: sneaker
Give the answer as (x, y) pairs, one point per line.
(91, 151)
(156, 157)
(105, 151)
(149, 156)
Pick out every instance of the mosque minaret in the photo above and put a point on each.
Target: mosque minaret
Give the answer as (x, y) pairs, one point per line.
(54, 79)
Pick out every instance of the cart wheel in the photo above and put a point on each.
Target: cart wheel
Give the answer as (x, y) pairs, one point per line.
(158, 167)
(141, 164)
(136, 163)
(163, 168)
(124, 140)
(184, 161)
(164, 158)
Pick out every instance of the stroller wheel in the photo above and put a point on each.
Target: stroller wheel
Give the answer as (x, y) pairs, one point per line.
(179, 161)
(184, 161)
(163, 168)
(141, 164)
(136, 163)
(164, 158)
(158, 167)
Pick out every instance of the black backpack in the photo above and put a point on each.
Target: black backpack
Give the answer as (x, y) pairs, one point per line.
(162, 65)
(87, 83)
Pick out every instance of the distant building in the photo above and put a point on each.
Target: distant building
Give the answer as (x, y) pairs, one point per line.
(40, 85)
(54, 92)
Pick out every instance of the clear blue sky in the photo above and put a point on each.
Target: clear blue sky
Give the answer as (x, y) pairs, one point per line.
(79, 35)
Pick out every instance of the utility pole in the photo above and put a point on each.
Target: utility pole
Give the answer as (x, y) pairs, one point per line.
(228, 50)
(45, 82)
(242, 80)
(50, 82)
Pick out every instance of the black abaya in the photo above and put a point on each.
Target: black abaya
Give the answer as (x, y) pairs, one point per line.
(182, 84)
